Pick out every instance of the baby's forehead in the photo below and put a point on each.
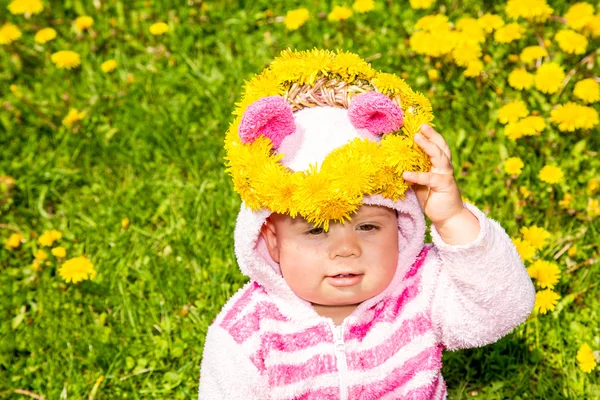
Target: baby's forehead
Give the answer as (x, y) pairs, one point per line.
(364, 211)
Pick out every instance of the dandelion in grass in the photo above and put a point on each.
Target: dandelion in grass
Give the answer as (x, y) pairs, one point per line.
(572, 252)
(532, 53)
(294, 19)
(509, 33)
(513, 166)
(363, 6)
(84, 22)
(593, 185)
(535, 235)
(490, 22)
(593, 208)
(579, 15)
(108, 66)
(520, 79)
(26, 7)
(159, 28)
(421, 4)
(551, 174)
(77, 269)
(48, 238)
(474, 69)
(13, 241)
(571, 42)
(524, 192)
(511, 112)
(59, 252)
(546, 300)
(549, 77)
(566, 201)
(532, 10)
(125, 223)
(73, 117)
(528, 126)
(434, 75)
(40, 255)
(66, 59)
(524, 248)
(587, 90)
(9, 33)
(45, 35)
(592, 28)
(586, 358)
(546, 273)
(572, 116)
(339, 13)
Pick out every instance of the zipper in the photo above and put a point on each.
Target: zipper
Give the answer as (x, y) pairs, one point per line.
(340, 355)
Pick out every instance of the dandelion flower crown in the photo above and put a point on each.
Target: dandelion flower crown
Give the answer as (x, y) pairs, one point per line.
(381, 103)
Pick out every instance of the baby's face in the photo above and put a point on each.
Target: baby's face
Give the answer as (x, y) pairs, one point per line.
(347, 265)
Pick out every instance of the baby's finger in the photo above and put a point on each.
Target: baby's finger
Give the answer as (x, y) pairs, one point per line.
(429, 179)
(436, 138)
(439, 160)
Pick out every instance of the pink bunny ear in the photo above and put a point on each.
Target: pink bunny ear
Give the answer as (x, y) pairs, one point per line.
(376, 113)
(270, 116)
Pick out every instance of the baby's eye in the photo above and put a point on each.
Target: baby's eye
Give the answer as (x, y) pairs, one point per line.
(316, 231)
(367, 227)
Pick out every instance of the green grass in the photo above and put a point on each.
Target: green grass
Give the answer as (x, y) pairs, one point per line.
(152, 151)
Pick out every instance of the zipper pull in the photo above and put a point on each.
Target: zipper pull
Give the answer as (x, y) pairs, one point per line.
(339, 339)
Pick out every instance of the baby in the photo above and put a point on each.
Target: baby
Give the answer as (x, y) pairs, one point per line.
(345, 300)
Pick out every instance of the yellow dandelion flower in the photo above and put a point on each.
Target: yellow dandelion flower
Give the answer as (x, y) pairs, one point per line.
(421, 4)
(524, 192)
(432, 23)
(363, 6)
(571, 42)
(572, 252)
(579, 15)
(549, 77)
(59, 252)
(520, 79)
(474, 69)
(509, 33)
(490, 22)
(551, 174)
(9, 33)
(466, 51)
(389, 84)
(49, 237)
(471, 28)
(36, 265)
(339, 13)
(159, 28)
(433, 74)
(571, 116)
(294, 19)
(536, 236)
(532, 10)
(66, 59)
(125, 223)
(84, 22)
(77, 269)
(566, 201)
(524, 248)
(587, 90)
(532, 53)
(40, 255)
(593, 185)
(593, 208)
(350, 66)
(586, 358)
(45, 35)
(513, 166)
(108, 66)
(26, 7)
(13, 241)
(435, 44)
(512, 111)
(72, 117)
(546, 300)
(592, 28)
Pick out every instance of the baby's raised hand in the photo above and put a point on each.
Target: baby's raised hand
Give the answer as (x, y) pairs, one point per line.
(438, 193)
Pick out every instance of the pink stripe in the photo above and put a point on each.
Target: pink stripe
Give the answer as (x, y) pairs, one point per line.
(250, 323)
(419, 261)
(285, 374)
(443, 391)
(430, 391)
(360, 330)
(297, 341)
(374, 356)
(429, 359)
(329, 393)
(239, 305)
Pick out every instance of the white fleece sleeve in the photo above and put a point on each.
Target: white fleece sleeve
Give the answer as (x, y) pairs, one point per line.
(226, 372)
(483, 290)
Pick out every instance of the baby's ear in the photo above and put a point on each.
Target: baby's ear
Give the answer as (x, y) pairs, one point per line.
(271, 116)
(375, 112)
(269, 235)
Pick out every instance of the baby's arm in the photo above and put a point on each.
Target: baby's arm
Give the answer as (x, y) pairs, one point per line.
(483, 289)
(226, 372)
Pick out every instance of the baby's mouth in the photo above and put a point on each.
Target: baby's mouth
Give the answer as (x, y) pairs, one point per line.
(344, 275)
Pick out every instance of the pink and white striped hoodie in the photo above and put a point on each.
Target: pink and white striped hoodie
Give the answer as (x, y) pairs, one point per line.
(267, 343)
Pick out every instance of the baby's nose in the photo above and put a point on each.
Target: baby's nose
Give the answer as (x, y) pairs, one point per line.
(344, 243)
